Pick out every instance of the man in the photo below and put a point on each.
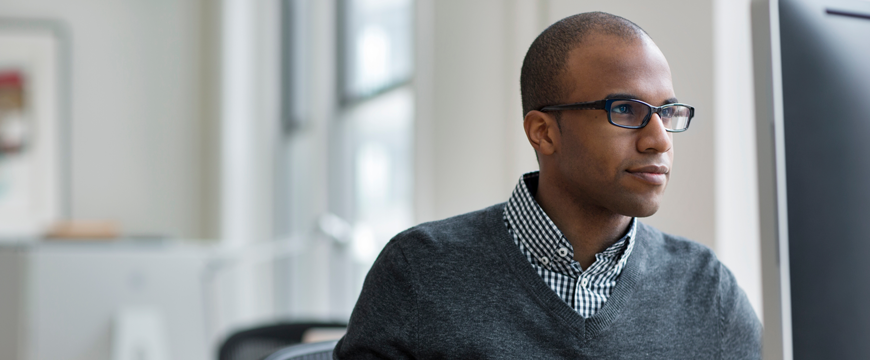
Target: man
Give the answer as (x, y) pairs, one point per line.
(564, 269)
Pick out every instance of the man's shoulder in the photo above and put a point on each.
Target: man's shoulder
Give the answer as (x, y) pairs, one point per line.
(459, 250)
(676, 254)
(693, 268)
(666, 244)
(455, 231)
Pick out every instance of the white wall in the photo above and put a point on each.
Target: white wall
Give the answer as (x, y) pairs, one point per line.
(470, 145)
(738, 234)
(136, 110)
(249, 95)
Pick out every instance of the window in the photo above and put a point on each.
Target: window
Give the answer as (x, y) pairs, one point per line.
(376, 47)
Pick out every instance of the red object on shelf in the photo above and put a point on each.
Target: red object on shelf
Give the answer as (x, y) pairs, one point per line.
(10, 79)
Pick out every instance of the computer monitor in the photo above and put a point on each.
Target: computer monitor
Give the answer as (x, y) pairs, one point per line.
(812, 70)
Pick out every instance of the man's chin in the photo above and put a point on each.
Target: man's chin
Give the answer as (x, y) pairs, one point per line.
(646, 212)
(644, 207)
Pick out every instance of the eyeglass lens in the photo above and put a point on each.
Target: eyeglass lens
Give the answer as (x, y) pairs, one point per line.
(632, 114)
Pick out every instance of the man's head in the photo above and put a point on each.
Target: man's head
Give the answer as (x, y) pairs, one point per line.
(589, 57)
(542, 77)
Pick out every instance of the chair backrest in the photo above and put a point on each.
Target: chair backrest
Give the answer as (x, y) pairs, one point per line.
(313, 351)
(259, 342)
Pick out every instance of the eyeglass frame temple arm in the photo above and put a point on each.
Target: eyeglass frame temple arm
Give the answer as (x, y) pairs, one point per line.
(592, 105)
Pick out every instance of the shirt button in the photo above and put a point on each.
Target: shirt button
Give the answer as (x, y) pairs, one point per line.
(584, 282)
(544, 260)
(563, 252)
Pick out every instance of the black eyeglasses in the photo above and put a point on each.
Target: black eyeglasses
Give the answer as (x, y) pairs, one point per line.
(635, 114)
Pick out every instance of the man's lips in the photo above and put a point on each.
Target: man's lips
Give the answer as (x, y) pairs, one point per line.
(652, 174)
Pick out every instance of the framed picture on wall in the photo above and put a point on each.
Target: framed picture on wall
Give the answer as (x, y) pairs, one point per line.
(33, 109)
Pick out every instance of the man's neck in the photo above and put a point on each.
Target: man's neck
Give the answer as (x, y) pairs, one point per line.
(589, 228)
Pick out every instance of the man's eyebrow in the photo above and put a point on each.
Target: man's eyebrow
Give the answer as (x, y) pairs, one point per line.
(626, 96)
(621, 96)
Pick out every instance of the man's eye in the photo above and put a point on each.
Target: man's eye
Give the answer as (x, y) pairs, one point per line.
(621, 109)
(667, 112)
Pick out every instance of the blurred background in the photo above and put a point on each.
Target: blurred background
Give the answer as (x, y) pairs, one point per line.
(173, 172)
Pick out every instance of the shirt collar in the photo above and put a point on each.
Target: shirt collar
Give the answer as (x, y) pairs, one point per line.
(544, 240)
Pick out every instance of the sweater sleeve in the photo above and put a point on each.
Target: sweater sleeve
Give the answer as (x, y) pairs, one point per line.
(741, 329)
(383, 320)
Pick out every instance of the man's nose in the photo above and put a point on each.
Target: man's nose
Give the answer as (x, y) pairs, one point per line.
(654, 137)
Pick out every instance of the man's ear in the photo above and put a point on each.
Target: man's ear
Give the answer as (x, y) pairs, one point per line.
(543, 132)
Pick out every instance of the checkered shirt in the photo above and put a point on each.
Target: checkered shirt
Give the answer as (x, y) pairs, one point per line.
(552, 256)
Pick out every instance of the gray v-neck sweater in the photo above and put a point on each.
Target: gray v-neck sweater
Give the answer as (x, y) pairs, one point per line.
(460, 289)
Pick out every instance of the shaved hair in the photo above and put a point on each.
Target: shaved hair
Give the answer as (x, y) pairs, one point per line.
(541, 82)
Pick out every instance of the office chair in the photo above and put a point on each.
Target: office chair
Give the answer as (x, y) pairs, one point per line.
(258, 343)
(313, 351)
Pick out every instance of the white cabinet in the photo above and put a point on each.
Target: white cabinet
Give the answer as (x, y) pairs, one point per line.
(58, 300)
